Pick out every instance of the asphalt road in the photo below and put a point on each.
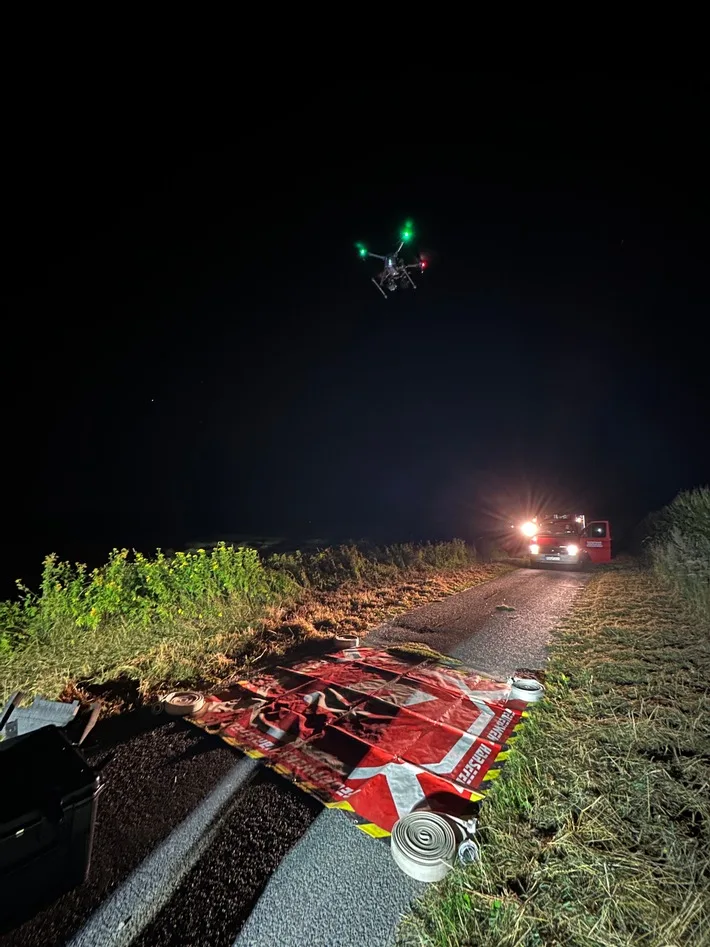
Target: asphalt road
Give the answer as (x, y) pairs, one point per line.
(197, 845)
(469, 626)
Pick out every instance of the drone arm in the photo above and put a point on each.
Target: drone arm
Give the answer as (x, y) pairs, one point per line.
(401, 244)
(375, 255)
(380, 288)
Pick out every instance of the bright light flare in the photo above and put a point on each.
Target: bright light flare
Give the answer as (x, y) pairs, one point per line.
(407, 232)
(572, 550)
(528, 529)
(534, 549)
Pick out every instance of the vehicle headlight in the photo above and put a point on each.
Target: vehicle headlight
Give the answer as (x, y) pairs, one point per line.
(528, 529)
(534, 549)
(572, 550)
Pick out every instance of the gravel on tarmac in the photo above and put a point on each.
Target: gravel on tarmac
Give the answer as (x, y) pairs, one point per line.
(216, 897)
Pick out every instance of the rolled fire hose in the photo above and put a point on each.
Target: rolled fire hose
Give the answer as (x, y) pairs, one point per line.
(347, 641)
(183, 703)
(425, 846)
(526, 688)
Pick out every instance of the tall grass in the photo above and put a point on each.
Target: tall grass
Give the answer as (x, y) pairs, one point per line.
(175, 619)
(330, 568)
(678, 545)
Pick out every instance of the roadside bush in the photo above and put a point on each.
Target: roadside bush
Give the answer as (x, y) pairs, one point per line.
(679, 547)
(139, 590)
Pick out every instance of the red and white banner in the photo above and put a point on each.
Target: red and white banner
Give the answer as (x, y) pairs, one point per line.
(380, 733)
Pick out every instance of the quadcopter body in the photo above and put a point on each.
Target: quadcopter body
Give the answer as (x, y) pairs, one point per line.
(395, 273)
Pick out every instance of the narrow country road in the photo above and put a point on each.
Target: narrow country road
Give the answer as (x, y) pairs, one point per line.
(468, 626)
(196, 844)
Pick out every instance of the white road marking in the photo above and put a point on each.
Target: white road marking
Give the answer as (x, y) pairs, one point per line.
(134, 905)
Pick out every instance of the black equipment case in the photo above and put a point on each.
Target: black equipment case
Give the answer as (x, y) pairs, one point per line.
(48, 800)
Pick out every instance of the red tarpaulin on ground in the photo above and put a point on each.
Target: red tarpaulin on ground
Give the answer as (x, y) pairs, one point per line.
(376, 733)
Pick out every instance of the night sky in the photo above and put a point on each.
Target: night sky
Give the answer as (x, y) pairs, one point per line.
(193, 348)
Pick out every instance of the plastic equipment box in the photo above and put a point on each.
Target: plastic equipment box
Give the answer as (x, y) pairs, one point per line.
(48, 799)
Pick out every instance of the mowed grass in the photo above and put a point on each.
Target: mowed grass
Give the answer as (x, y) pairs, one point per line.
(598, 832)
(204, 617)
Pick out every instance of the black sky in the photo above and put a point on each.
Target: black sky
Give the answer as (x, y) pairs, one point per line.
(192, 347)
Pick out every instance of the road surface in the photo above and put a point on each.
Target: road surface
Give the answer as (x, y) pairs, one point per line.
(198, 845)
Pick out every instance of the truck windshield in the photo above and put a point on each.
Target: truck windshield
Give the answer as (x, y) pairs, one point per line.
(553, 527)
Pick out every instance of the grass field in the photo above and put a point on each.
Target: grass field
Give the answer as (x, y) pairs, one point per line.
(202, 617)
(598, 832)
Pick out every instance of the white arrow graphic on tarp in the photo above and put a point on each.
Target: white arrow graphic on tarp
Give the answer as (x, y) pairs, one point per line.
(402, 777)
(418, 697)
(402, 781)
(404, 787)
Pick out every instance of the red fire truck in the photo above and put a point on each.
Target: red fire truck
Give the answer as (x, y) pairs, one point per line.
(567, 538)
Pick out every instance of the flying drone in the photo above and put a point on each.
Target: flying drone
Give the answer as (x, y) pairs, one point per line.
(395, 273)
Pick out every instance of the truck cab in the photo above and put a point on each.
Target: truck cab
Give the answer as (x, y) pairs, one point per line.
(568, 539)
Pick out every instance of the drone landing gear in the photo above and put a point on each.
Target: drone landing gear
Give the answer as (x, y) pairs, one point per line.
(379, 287)
(414, 285)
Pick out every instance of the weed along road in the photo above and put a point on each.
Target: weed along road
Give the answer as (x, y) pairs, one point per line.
(197, 844)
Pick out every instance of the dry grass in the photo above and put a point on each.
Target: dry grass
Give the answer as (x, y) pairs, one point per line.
(355, 609)
(598, 832)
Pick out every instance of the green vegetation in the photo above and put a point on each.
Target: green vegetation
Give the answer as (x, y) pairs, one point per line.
(597, 834)
(190, 618)
(679, 547)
